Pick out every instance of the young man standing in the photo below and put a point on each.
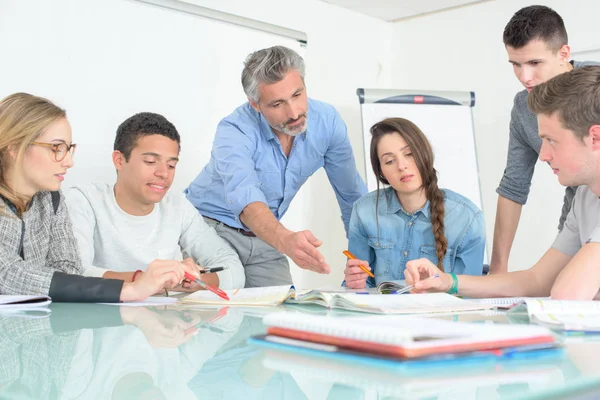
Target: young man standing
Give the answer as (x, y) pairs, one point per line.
(123, 228)
(568, 113)
(537, 45)
(262, 154)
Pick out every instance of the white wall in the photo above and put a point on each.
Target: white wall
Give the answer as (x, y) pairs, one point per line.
(462, 49)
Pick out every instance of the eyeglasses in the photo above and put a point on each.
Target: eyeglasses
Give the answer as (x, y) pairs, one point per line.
(60, 150)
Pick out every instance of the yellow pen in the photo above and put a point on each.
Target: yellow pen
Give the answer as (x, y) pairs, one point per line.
(350, 255)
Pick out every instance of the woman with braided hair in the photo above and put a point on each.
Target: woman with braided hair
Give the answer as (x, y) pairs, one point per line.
(410, 217)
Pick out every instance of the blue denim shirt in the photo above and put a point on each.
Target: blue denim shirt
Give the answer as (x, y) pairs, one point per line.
(247, 165)
(403, 237)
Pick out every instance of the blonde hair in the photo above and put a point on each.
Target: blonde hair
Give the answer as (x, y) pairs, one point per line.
(23, 118)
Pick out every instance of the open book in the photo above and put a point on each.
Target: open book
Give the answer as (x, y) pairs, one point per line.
(567, 315)
(362, 301)
(390, 286)
(11, 302)
(403, 337)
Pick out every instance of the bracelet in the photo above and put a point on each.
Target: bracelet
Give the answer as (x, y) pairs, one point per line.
(135, 274)
(454, 288)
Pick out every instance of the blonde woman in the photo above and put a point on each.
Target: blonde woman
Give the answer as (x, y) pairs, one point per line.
(38, 252)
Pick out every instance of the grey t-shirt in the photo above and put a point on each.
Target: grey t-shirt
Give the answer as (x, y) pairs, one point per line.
(582, 225)
(523, 150)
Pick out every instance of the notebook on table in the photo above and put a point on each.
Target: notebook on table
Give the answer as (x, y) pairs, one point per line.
(506, 302)
(405, 337)
(565, 315)
(352, 301)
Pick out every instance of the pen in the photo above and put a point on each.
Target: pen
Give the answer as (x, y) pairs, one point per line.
(411, 287)
(212, 270)
(350, 255)
(207, 286)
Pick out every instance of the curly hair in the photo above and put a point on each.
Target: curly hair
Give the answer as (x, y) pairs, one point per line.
(140, 125)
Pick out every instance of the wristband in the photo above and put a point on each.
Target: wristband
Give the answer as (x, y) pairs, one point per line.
(454, 288)
(135, 275)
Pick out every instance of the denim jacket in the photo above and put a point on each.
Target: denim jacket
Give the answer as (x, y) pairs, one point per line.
(403, 237)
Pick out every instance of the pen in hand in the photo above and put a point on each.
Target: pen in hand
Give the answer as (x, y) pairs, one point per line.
(411, 287)
(351, 256)
(207, 286)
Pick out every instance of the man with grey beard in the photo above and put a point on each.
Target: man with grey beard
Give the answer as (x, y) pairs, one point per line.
(262, 154)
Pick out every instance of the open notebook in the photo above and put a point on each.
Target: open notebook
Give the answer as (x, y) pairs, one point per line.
(404, 337)
(390, 286)
(371, 303)
(567, 315)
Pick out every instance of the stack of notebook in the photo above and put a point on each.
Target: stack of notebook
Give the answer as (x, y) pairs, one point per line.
(394, 338)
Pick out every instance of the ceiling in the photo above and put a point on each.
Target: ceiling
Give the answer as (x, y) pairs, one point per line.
(393, 10)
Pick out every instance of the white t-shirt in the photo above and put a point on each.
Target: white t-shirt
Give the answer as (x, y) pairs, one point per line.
(582, 225)
(111, 239)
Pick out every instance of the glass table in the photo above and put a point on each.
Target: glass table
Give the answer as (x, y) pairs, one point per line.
(93, 351)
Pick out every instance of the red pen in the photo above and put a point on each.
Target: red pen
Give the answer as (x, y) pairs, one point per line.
(207, 286)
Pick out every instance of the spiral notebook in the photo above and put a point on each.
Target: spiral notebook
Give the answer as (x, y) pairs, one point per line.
(506, 302)
(406, 337)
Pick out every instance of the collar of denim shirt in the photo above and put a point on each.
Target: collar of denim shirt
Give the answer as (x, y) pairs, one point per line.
(393, 204)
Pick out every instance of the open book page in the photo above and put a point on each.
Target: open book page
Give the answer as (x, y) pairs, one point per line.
(7, 301)
(405, 303)
(391, 286)
(567, 315)
(260, 296)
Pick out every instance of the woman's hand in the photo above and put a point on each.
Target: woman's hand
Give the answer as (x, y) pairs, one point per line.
(417, 272)
(355, 277)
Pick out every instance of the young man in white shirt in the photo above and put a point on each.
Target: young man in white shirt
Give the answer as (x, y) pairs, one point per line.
(123, 228)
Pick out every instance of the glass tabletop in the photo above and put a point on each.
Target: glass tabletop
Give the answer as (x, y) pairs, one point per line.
(92, 351)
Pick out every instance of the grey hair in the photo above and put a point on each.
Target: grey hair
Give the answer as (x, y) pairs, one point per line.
(269, 66)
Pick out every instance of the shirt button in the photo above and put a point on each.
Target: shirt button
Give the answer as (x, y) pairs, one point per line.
(230, 201)
(410, 223)
(406, 253)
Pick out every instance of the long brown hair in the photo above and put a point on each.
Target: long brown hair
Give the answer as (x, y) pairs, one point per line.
(423, 155)
(23, 118)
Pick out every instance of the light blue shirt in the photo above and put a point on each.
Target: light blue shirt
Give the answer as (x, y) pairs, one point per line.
(404, 237)
(247, 165)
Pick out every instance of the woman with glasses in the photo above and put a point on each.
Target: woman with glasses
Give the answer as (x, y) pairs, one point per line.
(38, 252)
